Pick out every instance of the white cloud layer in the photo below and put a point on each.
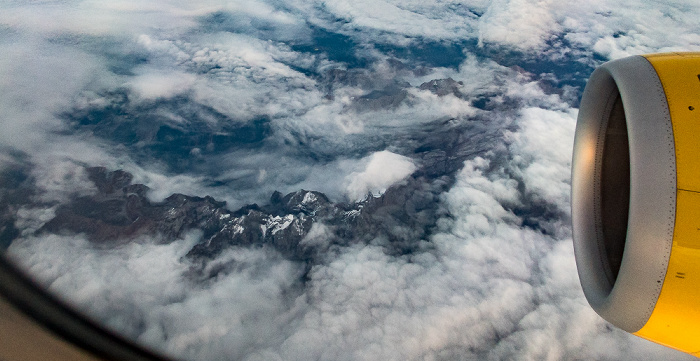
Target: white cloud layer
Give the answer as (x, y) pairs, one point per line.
(491, 289)
(495, 284)
(543, 146)
(611, 28)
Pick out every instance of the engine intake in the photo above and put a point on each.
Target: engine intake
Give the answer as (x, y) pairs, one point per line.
(623, 191)
(635, 196)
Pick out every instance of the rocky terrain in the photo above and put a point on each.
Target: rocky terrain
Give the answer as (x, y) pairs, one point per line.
(301, 226)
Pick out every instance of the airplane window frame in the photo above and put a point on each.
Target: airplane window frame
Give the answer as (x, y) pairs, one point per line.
(61, 322)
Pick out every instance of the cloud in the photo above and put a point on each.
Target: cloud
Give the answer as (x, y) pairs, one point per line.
(543, 147)
(141, 290)
(61, 180)
(30, 220)
(319, 236)
(155, 84)
(518, 23)
(126, 16)
(493, 289)
(383, 170)
(39, 79)
(494, 277)
(490, 288)
(607, 28)
(238, 75)
(436, 21)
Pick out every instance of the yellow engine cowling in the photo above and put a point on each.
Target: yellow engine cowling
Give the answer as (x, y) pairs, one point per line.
(636, 196)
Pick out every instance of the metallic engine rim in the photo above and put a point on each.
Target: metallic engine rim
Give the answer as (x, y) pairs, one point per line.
(629, 302)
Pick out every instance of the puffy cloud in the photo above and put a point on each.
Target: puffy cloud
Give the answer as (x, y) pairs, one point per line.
(449, 20)
(543, 147)
(155, 84)
(490, 283)
(383, 170)
(519, 23)
(610, 29)
(30, 220)
(491, 288)
(141, 290)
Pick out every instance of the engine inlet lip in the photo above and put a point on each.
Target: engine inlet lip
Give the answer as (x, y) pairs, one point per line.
(628, 297)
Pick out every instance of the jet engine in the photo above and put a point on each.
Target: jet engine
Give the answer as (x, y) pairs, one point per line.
(636, 196)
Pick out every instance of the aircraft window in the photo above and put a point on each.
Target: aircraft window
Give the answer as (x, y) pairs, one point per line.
(307, 180)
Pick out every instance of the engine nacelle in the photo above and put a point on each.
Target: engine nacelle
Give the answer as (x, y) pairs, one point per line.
(636, 196)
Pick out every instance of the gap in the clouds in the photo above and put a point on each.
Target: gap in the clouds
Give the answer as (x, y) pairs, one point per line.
(335, 47)
(16, 190)
(427, 53)
(541, 216)
(400, 220)
(118, 212)
(301, 37)
(535, 213)
(561, 66)
(178, 131)
(259, 26)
